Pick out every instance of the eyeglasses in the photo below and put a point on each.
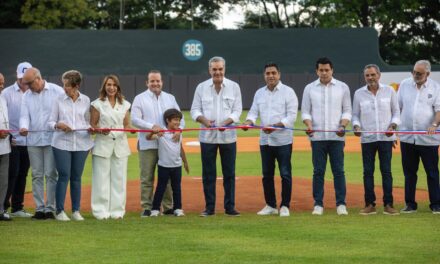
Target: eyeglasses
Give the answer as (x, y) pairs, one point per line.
(416, 73)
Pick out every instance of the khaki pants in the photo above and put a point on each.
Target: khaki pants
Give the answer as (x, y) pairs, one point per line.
(148, 163)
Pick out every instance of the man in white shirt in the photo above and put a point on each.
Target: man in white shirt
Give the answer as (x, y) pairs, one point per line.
(277, 105)
(35, 111)
(18, 158)
(375, 108)
(217, 103)
(5, 149)
(419, 101)
(147, 113)
(326, 106)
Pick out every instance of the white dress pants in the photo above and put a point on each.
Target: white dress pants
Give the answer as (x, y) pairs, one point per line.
(109, 185)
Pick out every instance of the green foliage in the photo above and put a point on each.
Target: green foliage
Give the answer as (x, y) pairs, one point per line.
(408, 30)
(10, 11)
(55, 14)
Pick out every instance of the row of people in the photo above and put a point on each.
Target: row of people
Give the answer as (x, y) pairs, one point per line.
(217, 102)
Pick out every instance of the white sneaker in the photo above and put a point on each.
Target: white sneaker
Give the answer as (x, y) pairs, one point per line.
(268, 210)
(77, 216)
(155, 213)
(21, 213)
(62, 216)
(284, 211)
(341, 210)
(318, 210)
(179, 212)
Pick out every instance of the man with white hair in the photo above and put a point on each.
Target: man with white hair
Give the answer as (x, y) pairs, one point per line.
(18, 158)
(419, 101)
(35, 111)
(217, 102)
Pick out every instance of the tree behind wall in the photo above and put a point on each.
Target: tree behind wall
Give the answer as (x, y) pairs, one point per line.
(408, 30)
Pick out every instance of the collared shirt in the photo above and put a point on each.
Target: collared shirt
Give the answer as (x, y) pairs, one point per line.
(325, 106)
(418, 108)
(147, 110)
(217, 107)
(13, 95)
(35, 112)
(5, 146)
(375, 112)
(76, 115)
(279, 105)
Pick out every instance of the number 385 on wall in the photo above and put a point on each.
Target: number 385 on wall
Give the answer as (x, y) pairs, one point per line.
(192, 50)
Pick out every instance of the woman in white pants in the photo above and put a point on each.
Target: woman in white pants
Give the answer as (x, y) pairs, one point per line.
(111, 151)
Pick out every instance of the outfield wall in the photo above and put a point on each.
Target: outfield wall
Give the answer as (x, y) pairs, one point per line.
(183, 56)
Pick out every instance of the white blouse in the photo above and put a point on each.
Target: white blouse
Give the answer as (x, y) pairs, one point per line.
(77, 116)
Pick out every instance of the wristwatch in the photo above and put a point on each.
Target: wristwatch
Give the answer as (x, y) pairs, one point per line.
(434, 124)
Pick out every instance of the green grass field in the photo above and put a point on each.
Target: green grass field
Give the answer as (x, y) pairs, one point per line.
(301, 238)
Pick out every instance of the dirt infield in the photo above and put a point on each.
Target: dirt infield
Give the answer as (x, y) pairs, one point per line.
(249, 195)
(251, 144)
(249, 191)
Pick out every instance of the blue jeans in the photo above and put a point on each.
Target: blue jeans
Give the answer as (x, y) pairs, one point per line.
(283, 155)
(384, 148)
(174, 175)
(411, 155)
(320, 151)
(70, 166)
(209, 173)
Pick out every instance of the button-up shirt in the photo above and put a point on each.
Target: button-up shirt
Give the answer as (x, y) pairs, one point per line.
(5, 146)
(375, 112)
(277, 106)
(325, 106)
(147, 110)
(217, 107)
(36, 109)
(418, 108)
(13, 95)
(76, 115)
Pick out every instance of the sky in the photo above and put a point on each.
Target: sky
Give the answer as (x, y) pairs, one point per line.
(229, 18)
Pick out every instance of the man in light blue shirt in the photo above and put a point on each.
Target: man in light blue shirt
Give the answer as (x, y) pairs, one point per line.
(35, 111)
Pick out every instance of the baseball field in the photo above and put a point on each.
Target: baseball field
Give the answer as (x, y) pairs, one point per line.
(300, 238)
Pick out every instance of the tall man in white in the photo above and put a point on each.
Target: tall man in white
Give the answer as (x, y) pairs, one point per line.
(35, 111)
(277, 105)
(326, 105)
(419, 101)
(18, 158)
(375, 108)
(217, 102)
(147, 113)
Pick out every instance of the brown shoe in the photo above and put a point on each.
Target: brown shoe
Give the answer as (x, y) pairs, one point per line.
(368, 210)
(389, 210)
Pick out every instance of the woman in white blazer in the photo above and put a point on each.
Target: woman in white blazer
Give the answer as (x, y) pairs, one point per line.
(111, 150)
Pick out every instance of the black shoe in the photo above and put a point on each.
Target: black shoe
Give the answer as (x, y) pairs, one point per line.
(232, 212)
(49, 215)
(146, 213)
(5, 217)
(408, 210)
(207, 213)
(436, 210)
(168, 212)
(39, 216)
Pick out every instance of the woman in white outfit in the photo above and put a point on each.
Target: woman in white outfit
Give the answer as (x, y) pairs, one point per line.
(111, 151)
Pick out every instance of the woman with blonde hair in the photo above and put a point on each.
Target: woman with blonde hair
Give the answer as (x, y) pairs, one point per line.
(111, 150)
(71, 142)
